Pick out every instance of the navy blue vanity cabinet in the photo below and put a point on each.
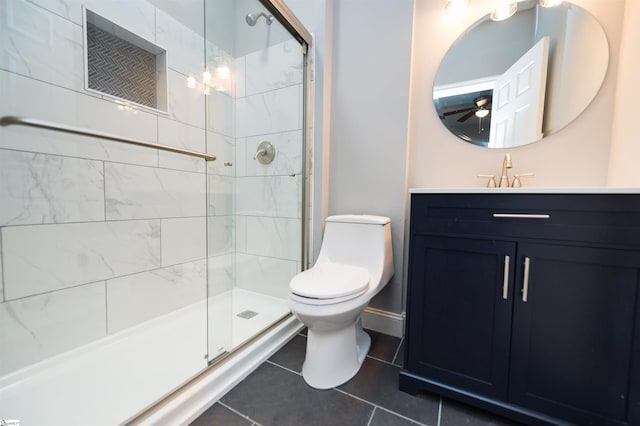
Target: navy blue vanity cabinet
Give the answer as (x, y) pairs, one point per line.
(462, 310)
(527, 305)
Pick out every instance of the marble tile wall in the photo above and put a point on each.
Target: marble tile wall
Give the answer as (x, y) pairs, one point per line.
(139, 297)
(221, 235)
(1, 273)
(96, 236)
(37, 327)
(267, 201)
(43, 258)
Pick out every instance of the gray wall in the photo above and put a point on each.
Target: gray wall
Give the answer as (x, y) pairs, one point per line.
(369, 119)
(363, 58)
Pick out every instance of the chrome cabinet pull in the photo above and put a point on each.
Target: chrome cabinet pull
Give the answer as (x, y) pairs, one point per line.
(505, 282)
(521, 216)
(525, 283)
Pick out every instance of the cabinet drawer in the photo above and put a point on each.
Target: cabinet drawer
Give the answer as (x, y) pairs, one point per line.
(594, 218)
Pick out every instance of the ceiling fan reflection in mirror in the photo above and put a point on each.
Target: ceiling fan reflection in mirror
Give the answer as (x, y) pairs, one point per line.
(577, 46)
(457, 111)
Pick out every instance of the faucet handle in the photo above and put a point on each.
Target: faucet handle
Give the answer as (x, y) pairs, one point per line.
(516, 179)
(491, 183)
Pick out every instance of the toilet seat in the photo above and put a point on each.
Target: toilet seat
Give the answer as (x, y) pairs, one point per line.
(330, 283)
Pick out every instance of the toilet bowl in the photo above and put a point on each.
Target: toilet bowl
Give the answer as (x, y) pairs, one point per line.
(355, 262)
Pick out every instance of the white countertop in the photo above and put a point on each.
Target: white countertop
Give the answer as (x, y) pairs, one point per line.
(528, 190)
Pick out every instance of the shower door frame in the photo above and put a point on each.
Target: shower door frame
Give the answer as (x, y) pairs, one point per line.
(196, 395)
(291, 23)
(294, 27)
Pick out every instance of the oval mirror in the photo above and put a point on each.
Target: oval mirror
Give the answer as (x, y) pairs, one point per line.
(509, 83)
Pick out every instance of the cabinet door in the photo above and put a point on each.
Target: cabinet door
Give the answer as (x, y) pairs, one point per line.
(459, 321)
(572, 340)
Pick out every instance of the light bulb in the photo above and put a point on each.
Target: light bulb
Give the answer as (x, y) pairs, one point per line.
(455, 8)
(482, 113)
(504, 11)
(191, 82)
(550, 3)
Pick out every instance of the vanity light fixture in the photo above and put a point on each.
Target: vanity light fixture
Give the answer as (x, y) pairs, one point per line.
(550, 3)
(504, 10)
(455, 8)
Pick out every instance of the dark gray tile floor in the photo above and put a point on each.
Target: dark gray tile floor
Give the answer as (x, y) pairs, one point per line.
(276, 395)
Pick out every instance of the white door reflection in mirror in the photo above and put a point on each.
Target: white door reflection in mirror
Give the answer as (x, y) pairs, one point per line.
(577, 65)
(518, 99)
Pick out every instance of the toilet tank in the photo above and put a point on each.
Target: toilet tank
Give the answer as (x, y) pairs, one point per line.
(359, 240)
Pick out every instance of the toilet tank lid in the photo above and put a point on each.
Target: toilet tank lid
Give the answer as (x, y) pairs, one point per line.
(359, 218)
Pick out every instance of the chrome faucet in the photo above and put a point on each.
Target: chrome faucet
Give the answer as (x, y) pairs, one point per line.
(506, 164)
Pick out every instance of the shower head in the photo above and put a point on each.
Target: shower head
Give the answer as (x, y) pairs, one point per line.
(252, 18)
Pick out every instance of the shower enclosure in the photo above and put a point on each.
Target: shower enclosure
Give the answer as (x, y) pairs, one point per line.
(153, 202)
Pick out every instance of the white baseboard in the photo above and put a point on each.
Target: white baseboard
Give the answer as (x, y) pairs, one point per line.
(185, 405)
(383, 321)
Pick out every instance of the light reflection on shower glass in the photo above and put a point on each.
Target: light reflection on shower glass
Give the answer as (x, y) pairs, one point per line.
(254, 209)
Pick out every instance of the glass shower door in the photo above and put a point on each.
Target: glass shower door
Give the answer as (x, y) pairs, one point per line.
(255, 127)
(103, 250)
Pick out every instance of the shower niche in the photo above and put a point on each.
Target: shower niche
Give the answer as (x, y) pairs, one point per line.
(123, 65)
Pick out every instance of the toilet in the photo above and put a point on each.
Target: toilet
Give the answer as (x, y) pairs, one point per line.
(354, 264)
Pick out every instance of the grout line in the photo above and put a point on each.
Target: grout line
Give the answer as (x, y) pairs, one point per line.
(395, 355)
(373, 413)
(271, 91)
(107, 160)
(108, 279)
(56, 290)
(2, 280)
(379, 407)
(382, 360)
(244, 416)
(160, 242)
(364, 400)
(90, 222)
(158, 119)
(375, 406)
(106, 308)
(284, 368)
(104, 190)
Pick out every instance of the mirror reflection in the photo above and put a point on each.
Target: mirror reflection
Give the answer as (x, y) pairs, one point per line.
(509, 83)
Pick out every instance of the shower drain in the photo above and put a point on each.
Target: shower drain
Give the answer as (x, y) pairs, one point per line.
(248, 314)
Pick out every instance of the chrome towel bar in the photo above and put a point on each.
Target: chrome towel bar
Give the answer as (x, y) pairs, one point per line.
(30, 122)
